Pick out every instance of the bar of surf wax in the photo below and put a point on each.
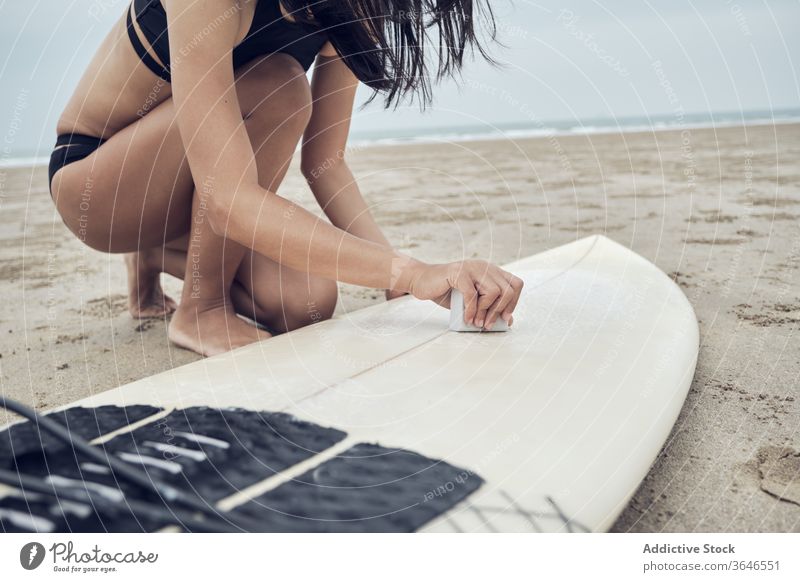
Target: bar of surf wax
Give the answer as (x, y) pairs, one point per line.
(457, 316)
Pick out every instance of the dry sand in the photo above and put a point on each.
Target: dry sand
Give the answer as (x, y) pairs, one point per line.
(719, 210)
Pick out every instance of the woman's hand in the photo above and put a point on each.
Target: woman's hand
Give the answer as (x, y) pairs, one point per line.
(489, 291)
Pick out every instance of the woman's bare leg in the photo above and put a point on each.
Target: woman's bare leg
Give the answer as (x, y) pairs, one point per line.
(146, 298)
(201, 322)
(205, 320)
(109, 202)
(277, 297)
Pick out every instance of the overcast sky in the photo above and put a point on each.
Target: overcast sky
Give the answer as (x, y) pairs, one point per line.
(564, 60)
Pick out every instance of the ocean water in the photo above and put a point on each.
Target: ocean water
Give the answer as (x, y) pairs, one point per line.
(526, 130)
(576, 127)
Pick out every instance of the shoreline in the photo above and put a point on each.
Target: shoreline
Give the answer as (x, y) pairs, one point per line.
(504, 135)
(558, 133)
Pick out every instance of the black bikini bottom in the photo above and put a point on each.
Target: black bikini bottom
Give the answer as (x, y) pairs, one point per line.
(74, 147)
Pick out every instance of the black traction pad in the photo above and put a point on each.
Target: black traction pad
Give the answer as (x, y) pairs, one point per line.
(367, 488)
(258, 445)
(27, 444)
(26, 438)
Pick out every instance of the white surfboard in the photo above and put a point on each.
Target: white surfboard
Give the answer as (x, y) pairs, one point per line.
(553, 424)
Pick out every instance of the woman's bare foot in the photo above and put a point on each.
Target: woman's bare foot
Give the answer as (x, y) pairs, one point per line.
(211, 329)
(145, 296)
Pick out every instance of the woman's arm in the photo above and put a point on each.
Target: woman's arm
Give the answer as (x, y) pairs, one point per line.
(323, 161)
(223, 168)
(222, 161)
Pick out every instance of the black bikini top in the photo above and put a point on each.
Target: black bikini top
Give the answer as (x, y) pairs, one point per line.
(269, 33)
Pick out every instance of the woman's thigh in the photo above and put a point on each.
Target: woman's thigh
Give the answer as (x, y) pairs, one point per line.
(135, 191)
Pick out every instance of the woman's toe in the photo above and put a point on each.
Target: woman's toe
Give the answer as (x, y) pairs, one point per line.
(170, 305)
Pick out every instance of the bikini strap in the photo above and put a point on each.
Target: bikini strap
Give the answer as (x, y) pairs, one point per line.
(141, 51)
(68, 139)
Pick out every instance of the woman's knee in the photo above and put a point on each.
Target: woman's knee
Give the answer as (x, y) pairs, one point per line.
(302, 309)
(297, 304)
(80, 215)
(321, 302)
(274, 95)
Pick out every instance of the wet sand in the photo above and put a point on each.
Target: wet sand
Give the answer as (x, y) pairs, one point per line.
(718, 210)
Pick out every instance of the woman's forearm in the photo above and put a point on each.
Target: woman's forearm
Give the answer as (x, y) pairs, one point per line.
(277, 228)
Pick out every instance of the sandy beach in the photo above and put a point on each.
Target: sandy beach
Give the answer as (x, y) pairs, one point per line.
(716, 209)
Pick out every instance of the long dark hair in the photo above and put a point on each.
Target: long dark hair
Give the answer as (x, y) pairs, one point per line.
(384, 42)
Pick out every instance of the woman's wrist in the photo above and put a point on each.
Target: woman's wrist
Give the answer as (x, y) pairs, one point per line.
(405, 271)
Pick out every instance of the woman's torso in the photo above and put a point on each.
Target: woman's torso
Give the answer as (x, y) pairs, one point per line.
(117, 88)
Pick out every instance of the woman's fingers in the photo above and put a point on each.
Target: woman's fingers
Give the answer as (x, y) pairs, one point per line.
(516, 285)
(489, 292)
(504, 298)
(486, 281)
